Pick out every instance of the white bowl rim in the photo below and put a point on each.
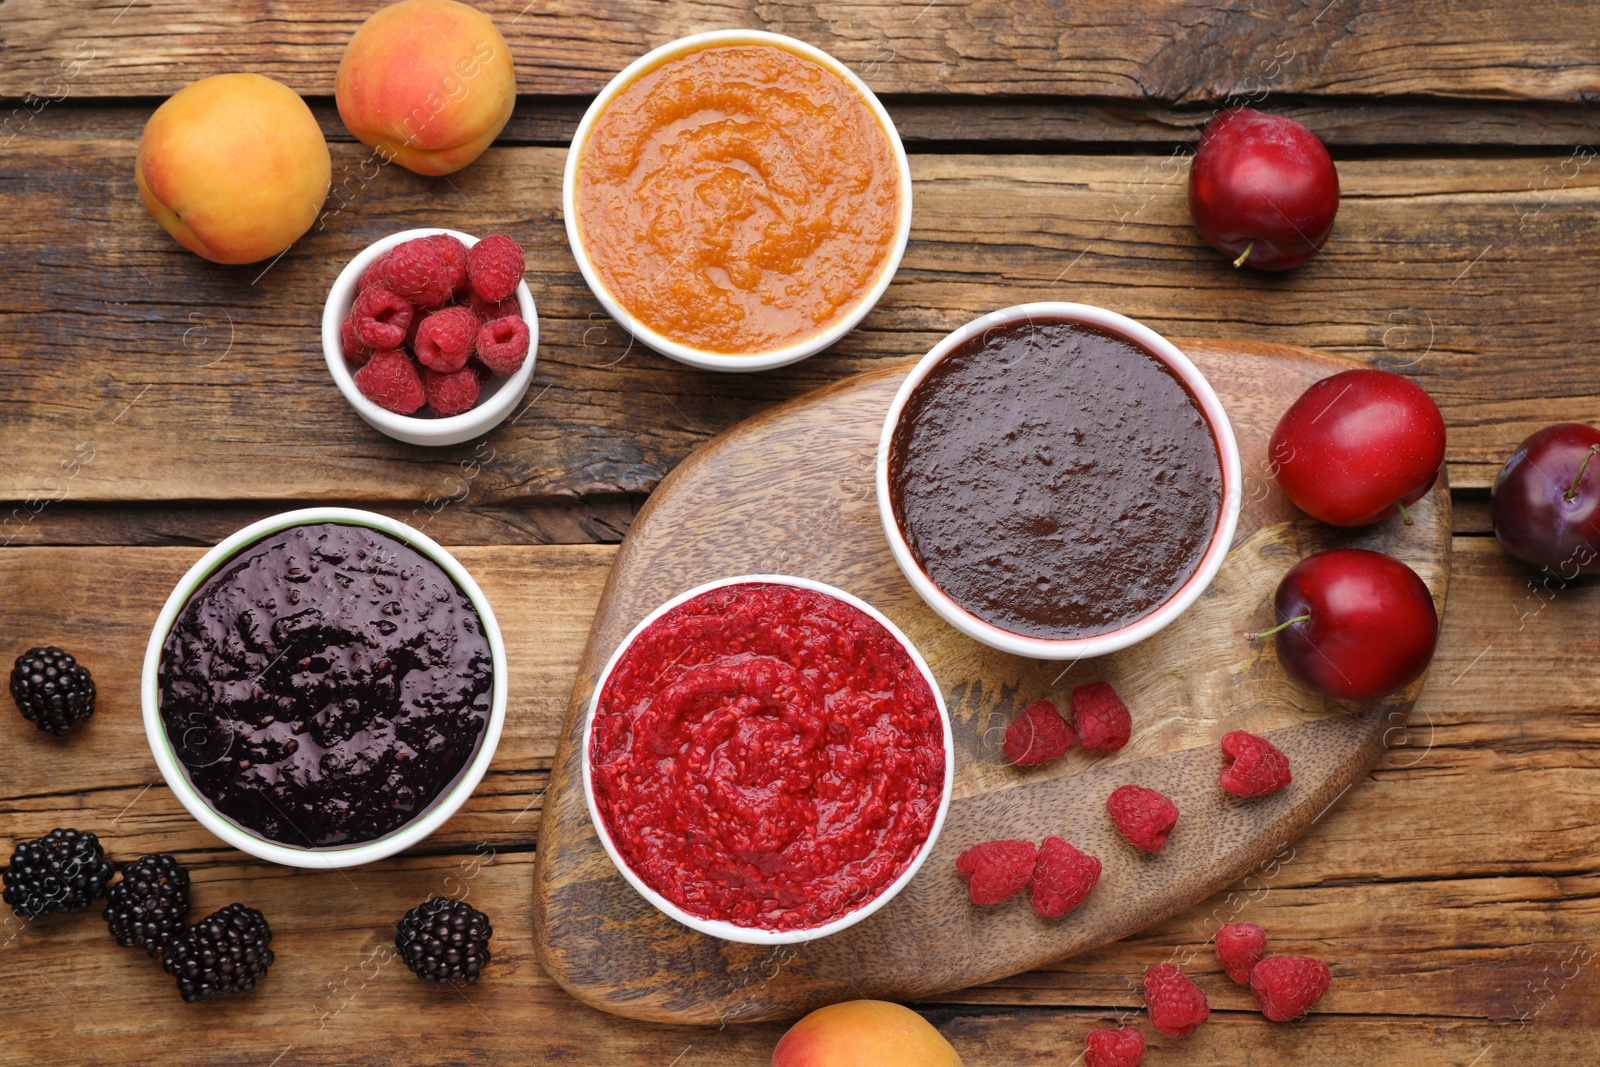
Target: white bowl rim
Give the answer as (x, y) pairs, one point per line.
(722, 361)
(1144, 626)
(491, 410)
(440, 809)
(719, 928)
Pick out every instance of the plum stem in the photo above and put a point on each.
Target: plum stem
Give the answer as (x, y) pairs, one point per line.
(1245, 254)
(1405, 516)
(1284, 625)
(1572, 490)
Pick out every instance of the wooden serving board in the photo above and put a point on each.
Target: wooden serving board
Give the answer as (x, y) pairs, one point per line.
(791, 491)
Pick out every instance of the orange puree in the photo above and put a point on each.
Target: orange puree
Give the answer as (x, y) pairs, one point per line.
(738, 199)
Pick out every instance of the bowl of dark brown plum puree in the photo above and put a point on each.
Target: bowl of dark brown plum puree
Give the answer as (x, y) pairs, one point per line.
(1057, 480)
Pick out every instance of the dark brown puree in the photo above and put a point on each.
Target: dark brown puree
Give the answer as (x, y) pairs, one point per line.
(1055, 479)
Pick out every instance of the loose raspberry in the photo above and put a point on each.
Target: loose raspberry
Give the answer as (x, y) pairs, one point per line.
(1252, 766)
(355, 353)
(390, 381)
(1177, 1006)
(997, 870)
(1100, 718)
(1240, 947)
(381, 317)
(495, 266)
(1038, 735)
(446, 338)
(1287, 986)
(1122, 1047)
(489, 310)
(1062, 878)
(1143, 816)
(417, 271)
(503, 344)
(453, 393)
(454, 254)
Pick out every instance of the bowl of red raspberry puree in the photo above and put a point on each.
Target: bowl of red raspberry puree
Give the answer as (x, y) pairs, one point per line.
(500, 396)
(767, 759)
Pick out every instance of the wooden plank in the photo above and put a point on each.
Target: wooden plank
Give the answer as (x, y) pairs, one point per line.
(1405, 127)
(1201, 50)
(117, 340)
(1453, 885)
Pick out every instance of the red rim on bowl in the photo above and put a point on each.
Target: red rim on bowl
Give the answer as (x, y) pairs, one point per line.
(1145, 625)
(723, 929)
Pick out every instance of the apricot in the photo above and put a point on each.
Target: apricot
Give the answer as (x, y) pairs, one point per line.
(234, 166)
(864, 1033)
(428, 83)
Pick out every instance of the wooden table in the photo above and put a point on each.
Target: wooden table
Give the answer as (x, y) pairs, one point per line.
(150, 403)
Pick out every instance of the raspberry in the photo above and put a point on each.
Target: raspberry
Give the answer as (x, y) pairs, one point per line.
(1062, 878)
(454, 254)
(1240, 947)
(355, 353)
(417, 271)
(1287, 986)
(1122, 1047)
(489, 310)
(1038, 735)
(453, 393)
(390, 381)
(495, 266)
(370, 276)
(1100, 717)
(503, 344)
(446, 338)
(996, 870)
(1177, 1006)
(381, 317)
(1143, 816)
(1252, 766)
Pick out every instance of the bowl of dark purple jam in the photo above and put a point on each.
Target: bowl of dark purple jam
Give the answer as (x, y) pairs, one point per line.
(324, 688)
(1057, 480)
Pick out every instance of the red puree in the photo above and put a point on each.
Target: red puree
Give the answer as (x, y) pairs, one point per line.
(767, 755)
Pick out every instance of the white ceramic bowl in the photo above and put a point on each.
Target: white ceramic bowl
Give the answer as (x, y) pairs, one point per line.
(777, 357)
(1139, 629)
(747, 934)
(499, 397)
(412, 832)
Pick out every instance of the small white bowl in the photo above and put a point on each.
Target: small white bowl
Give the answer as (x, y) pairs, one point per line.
(1146, 625)
(694, 357)
(499, 396)
(750, 935)
(411, 833)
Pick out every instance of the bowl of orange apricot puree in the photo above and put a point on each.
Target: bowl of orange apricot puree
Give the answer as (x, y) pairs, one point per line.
(737, 200)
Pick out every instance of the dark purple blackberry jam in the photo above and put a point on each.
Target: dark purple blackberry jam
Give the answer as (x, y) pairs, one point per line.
(326, 685)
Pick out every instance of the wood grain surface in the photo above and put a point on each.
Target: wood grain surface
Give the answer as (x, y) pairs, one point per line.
(1169, 50)
(1450, 271)
(1454, 890)
(791, 492)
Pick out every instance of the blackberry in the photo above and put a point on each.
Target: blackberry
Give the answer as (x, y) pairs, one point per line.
(226, 952)
(149, 905)
(52, 690)
(62, 870)
(445, 940)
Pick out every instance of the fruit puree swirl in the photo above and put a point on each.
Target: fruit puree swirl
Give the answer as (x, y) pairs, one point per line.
(767, 755)
(739, 198)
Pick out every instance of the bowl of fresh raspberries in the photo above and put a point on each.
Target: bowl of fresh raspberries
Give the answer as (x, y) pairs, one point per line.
(430, 334)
